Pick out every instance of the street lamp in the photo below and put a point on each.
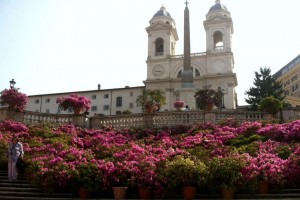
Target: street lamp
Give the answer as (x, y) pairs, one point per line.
(12, 83)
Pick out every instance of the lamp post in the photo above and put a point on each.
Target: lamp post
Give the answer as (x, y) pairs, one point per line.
(12, 83)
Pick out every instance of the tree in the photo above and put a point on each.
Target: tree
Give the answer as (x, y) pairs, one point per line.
(270, 105)
(265, 85)
(151, 99)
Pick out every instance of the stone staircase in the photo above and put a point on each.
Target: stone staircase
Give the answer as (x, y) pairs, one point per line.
(23, 190)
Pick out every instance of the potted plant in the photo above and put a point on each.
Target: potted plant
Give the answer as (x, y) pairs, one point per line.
(151, 100)
(14, 99)
(225, 173)
(186, 174)
(207, 98)
(75, 102)
(86, 178)
(120, 177)
(178, 104)
(266, 168)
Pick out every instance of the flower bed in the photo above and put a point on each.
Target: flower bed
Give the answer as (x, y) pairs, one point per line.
(69, 157)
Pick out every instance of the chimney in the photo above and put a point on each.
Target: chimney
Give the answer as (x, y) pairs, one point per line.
(99, 86)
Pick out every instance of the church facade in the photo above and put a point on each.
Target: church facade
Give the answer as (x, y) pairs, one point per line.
(212, 69)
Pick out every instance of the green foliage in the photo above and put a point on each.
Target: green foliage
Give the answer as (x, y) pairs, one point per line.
(270, 105)
(87, 176)
(284, 152)
(225, 172)
(151, 98)
(185, 172)
(199, 152)
(251, 148)
(126, 112)
(245, 140)
(265, 85)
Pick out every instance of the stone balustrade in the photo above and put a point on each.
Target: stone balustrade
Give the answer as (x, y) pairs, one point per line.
(140, 120)
(29, 117)
(172, 118)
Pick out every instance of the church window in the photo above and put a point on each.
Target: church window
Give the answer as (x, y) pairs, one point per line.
(159, 47)
(218, 40)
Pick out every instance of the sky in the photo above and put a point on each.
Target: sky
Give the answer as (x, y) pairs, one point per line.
(54, 46)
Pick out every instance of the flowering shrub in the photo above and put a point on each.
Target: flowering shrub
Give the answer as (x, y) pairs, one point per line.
(206, 97)
(74, 102)
(13, 126)
(68, 156)
(267, 165)
(178, 104)
(14, 99)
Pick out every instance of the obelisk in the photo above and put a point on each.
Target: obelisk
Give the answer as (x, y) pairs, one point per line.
(187, 74)
(187, 90)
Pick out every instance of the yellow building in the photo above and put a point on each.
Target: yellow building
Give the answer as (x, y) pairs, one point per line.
(289, 76)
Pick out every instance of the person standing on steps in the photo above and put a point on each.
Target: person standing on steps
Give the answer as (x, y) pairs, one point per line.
(15, 151)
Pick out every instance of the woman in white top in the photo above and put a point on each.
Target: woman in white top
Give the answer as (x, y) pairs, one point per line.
(15, 151)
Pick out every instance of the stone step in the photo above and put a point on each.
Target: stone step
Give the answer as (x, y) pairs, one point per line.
(17, 189)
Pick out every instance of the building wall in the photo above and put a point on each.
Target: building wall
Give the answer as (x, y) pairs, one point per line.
(289, 76)
(103, 101)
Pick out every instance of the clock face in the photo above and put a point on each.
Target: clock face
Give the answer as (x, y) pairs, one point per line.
(158, 70)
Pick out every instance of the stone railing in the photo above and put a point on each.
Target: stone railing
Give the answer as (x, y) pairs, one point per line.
(29, 117)
(140, 120)
(163, 119)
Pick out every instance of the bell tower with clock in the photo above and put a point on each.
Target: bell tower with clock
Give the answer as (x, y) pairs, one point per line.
(162, 37)
(180, 76)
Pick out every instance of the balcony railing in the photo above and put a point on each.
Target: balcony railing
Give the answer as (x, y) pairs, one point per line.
(192, 55)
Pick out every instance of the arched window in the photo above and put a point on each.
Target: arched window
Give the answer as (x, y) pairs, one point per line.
(159, 47)
(218, 40)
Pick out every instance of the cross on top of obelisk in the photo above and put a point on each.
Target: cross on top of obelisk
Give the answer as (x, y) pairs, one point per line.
(186, 3)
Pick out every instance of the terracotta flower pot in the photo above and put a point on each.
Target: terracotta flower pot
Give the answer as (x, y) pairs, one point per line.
(227, 193)
(263, 187)
(119, 192)
(208, 107)
(145, 193)
(189, 193)
(83, 193)
(76, 111)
